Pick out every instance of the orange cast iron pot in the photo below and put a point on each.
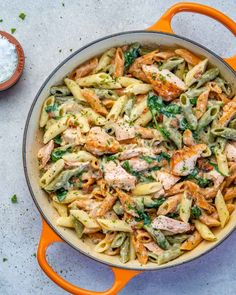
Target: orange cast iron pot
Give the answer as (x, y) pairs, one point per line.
(122, 274)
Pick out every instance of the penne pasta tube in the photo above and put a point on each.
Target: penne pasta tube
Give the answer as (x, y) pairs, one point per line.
(221, 209)
(51, 173)
(55, 129)
(65, 221)
(74, 88)
(61, 209)
(85, 219)
(114, 225)
(44, 115)
(204, 231)
(146, 188)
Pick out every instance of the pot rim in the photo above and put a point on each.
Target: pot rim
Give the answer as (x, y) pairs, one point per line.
(25, 138)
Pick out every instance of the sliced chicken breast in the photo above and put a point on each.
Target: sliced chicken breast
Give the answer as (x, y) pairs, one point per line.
(183, 161)
(164, 82)
(175, 226)
(117, 177)
(98, 142)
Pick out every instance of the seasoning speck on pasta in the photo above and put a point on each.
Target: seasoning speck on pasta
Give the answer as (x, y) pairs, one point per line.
(139, 152)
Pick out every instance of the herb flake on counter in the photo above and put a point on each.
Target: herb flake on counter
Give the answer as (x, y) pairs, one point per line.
(13, 30)
(14, 199)
(22, 15)
(4, 259)
(1, 20)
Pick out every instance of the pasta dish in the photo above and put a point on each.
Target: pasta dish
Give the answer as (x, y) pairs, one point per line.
(139, 152)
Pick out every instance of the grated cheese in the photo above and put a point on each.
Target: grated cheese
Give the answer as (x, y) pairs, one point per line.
(8, 59)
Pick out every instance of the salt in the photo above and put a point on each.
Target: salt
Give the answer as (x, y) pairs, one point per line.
(8, 59)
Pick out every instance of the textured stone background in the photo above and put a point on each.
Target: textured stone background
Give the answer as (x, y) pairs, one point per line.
(48, 29)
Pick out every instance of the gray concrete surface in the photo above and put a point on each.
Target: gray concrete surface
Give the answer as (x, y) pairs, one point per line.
(49, 28)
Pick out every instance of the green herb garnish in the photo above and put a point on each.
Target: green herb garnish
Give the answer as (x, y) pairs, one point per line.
(4, 259)
(1, 20)
(111, 158)
(195, 212)
(14, 199)
(13, 30)
(131, 54)
(22, 15)
(61, 194)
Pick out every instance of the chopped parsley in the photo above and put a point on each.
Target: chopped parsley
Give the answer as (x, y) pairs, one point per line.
(162, 78)
(196, 212)
(22, 15)
(163, 156)
(61, 194)
(58, 139)
(14, 199)
(4, 259)
(13, 30)
(1, 20)
(131, 54)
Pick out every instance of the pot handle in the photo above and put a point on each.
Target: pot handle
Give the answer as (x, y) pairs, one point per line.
(48, 237)
(164, 23)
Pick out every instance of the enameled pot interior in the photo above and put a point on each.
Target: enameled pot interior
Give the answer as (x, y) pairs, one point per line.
(32, 139)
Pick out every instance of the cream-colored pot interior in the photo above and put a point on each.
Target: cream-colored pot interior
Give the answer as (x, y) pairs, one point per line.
(32, 139)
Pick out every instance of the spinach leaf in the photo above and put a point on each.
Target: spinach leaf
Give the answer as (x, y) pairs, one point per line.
(58, 153)
(131, 54)
(61, 194)
(143, 216)
(172, 215)
(157, 106)
(141, 177)
(155, 203)
(202, 182)
(111, 158)
(163, 156)
(196, 212)
(58, 139)
(51, 108)
(183, 125)
(193, 101)
(148, 159)
(216, 168)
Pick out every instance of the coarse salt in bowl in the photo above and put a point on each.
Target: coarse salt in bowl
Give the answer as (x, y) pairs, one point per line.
(11, 60)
